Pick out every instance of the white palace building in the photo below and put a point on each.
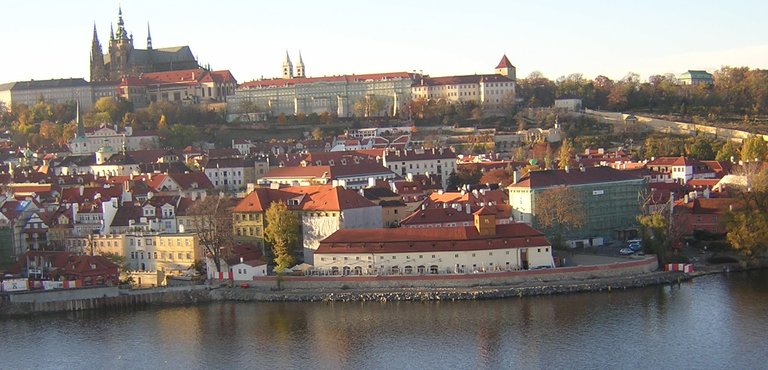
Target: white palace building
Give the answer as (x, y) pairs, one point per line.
(295, 94)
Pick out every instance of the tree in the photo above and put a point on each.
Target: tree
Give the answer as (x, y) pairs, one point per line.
(212, 221)
(702, 149)
(654, 232)
(754, 148)
(122, 263)
(559, 210)
(282, 232)
(565, 155)
(317, 133)
(728, 152)
(368, 106)
(747, 226)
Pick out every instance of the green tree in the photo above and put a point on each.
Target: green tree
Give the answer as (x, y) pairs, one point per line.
(653, 230)
(729, 151)
(754, 148)
(282, 232)
(559, 210)
(702, 149)
(747, 225)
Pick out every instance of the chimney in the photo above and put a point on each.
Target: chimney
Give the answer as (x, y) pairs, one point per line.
(567, 169)
(515, 176)
(686, 199)
(469, 209)
(80, 189)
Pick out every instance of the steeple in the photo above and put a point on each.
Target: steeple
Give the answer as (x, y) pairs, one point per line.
(80, 128)
(149, 38)
(287, 67)
(300, 68)
(97, 58)
(111, 33)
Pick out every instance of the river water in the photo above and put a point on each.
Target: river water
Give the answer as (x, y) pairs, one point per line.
(713, 322)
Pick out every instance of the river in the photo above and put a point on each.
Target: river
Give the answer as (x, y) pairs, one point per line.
(712, 322)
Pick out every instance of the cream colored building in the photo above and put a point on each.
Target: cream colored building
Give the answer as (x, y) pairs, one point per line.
(170, 253)
(52, 91)
(440, 162)
(484, 247)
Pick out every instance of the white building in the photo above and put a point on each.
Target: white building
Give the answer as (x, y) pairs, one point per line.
(52, 91)
(439, 162)
(484, 247)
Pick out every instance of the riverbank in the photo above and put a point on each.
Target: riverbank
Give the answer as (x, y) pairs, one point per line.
(537, 285)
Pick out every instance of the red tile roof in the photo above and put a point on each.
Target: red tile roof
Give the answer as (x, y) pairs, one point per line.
(505, 63)
(672, 161)
(401, 240)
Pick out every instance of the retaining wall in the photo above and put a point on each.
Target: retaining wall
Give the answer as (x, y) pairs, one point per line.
(618, 269)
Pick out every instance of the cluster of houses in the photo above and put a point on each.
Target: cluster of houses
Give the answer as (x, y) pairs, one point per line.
(374, 210)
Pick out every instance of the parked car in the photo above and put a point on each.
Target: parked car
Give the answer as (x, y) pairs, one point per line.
(635, 246)
(626, 251)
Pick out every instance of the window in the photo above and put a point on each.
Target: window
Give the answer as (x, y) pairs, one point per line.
(179, 255)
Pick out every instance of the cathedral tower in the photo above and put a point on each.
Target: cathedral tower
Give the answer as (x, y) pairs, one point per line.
(287, 67)
(98, 70)
(120, 48)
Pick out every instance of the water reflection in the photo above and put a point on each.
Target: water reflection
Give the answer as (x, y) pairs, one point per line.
(713, 322)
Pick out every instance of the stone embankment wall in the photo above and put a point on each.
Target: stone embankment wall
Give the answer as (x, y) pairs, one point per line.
(100, 298)
(682, 128)
(620, 275)
(618, 269)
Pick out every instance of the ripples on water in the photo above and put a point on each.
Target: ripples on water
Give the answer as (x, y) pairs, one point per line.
(714, 322)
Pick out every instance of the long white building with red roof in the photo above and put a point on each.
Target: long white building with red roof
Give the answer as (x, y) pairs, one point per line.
(483, 247)
(293, 95)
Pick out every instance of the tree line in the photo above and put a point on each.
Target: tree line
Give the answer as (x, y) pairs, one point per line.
(736, 91)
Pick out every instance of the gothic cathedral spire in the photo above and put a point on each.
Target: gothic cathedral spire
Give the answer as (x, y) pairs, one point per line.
(97, 58)
(287, 67)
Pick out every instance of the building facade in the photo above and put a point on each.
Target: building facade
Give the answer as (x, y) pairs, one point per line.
(52, 91)
(483, 247)
(609, 197)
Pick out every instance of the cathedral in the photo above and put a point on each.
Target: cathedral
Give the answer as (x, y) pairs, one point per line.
(123, 60)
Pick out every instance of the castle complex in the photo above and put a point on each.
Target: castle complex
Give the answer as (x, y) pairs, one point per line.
(124, 60)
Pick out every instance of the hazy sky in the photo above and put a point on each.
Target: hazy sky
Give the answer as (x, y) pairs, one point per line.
(52, 38)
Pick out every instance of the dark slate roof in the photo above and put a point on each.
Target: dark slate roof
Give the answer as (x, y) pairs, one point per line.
(44, 84)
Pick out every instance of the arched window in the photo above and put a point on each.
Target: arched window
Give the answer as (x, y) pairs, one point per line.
(346, 270)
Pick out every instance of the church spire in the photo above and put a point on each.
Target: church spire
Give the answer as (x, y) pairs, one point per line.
(287, 67)
(79, 120)
(111, 32)
(300, 72)
(149, 38)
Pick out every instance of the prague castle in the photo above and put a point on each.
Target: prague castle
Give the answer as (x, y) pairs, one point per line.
(124, 60)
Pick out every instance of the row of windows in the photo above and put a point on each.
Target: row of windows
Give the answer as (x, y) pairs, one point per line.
(179, 255)
(421, 256)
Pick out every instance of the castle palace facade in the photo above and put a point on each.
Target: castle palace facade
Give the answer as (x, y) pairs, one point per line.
(123, 60)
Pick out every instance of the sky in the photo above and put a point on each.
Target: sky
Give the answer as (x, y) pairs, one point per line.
(44, 39)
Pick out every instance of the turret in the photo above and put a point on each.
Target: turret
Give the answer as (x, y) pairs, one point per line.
(287, 66)
(505, 68)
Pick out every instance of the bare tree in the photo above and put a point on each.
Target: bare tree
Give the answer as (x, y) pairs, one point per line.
(559, 210)
(212, 221)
